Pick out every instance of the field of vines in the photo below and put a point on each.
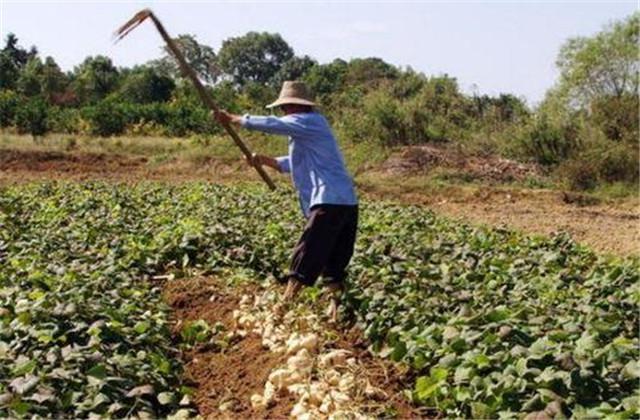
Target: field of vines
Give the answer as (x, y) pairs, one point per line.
(491, 323)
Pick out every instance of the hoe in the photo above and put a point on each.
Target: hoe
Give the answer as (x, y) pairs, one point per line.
(188, 72)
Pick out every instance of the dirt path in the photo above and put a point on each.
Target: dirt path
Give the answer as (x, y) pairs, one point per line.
(606, 228)
(612, 228)
(233, 381)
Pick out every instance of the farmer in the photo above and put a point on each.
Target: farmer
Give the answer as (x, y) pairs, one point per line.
(325, 189)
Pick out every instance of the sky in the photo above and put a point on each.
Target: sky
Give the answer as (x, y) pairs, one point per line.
(491, 47)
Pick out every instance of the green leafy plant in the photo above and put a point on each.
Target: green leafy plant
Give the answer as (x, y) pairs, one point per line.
(490, 323)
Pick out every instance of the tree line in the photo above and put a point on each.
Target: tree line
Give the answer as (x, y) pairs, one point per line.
(586, 127)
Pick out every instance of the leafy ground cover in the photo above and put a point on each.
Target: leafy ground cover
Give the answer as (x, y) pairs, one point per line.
(492, 323)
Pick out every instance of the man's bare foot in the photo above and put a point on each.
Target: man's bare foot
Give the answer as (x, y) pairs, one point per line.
(293, 288)
(332, 311)
(335, 291)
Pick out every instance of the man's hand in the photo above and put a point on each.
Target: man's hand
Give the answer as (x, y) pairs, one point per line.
(224, 117)
(263, 161)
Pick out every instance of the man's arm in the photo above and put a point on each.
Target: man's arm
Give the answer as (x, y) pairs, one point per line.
(273, 125)
(280, 164)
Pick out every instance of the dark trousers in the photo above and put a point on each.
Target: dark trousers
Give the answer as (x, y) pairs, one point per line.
(326, 245)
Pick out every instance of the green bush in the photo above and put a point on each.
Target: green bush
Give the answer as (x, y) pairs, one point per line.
(601, 161)
(579, 173)
(187, 118)
(9, 101)
(617, 117)
(32, 117)
(106, 118)
(434, 111)
(619, 162)
(64, 120)
(548, 142)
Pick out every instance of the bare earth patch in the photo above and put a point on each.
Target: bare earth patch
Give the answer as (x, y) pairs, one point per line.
(231, 376)
(220, 376)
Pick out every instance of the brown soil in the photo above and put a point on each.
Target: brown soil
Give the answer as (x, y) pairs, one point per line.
(612, 228)
(391, 378)
(17, 166)
(221, 375)
(43, 161)
(242, 369)
(606, 228)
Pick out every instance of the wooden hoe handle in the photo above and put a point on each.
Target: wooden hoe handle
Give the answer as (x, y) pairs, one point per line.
(190, 73)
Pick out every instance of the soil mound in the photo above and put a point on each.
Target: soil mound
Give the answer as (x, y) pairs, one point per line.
(422, 159)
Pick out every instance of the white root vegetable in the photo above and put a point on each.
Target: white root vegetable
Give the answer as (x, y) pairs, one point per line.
(258, 402)
(298, 410)
(333, 358)
(322, 381)
(309, 342)
(327, 405)
(347, 383)
(269, 392)
(302, 361)
(340, 398)
(280, 378)
(332, 377)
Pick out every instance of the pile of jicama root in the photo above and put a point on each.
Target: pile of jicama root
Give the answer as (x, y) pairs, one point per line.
(327, 383)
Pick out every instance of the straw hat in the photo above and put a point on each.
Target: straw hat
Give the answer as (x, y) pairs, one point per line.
(293, 92)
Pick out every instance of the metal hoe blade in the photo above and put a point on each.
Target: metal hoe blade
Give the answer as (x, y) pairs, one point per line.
(133, 23)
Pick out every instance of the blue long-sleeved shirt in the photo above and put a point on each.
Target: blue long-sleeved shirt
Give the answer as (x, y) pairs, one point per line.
(315, 162)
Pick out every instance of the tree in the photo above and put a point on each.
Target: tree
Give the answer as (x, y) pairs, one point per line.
(9, 73)
(29, 81)
(145, 85)
(95, 78)
(294, 69)
(325, 79)
(200, 57)
(510, 108)
(606, 64)
(41, 78)
(12, 60)
(371, 69)
(18, 55)
(254, 57)
(105, 118)
(53, 81)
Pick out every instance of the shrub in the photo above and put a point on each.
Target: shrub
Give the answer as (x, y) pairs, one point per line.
(619, 162)
(186, 118)
(64, 120)
(105, 118)
(617, 117)
(579, 173)
(549, 142)
(8, 107)
(145, 128)
(32, 117)
(601, 161)
(70, 143)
